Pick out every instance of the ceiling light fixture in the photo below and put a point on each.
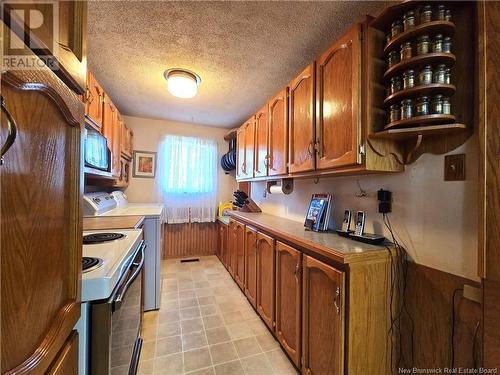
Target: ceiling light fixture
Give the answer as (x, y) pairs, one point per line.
(182, 82)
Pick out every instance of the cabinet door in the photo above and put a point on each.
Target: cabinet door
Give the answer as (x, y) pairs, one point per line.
(278, 134)
(240, 153)
(249, 148)
(94, 102)
(338, 102)
(126, 141)
(231, 259)
(112, 134)
(220, 240)
(239, 272)
(323, 318)
(40, 220)
(301, 128)
(288, 299)
(251, 265)
(265, 279)
(261, 142)
(66, 362)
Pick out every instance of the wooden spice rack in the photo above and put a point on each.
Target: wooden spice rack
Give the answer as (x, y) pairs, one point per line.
(407, 139)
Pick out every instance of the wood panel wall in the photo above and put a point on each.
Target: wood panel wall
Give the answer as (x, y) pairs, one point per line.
(189, 239)
(429, 299)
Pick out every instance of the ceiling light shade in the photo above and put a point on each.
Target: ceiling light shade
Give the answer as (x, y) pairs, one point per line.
(182, 83)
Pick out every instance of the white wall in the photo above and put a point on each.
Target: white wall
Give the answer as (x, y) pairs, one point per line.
(147, 135)
(436, 220)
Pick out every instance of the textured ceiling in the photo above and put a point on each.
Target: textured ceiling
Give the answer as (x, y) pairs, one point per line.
(244, 52)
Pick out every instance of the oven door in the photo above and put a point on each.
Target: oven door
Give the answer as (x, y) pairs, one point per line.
(116, 323)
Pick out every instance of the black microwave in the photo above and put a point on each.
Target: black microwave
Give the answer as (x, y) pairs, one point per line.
(96, 152)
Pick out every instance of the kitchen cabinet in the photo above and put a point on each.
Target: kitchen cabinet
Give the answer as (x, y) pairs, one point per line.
(66, 362)
(338, 96)
(265, 278)
(323, 318)
(278, 134)
(112, 131)
(41, 242)
(94, 102)
(231, 255)
(302, 121)
(126, 142)
(288, 299)
(220, 240)
(261, 143)
(251, 265)
(245, 139)
(239, 252)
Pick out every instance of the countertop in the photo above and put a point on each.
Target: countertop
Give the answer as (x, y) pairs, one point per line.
(224, 219)
(331, 245)
(112, 222)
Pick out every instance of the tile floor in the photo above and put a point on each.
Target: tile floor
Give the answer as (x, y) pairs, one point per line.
(206, 326)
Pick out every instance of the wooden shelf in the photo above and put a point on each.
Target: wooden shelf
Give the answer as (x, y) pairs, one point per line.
(430, 28)
(432, 89)
(421, 120)
(427, 59)
(426, 131)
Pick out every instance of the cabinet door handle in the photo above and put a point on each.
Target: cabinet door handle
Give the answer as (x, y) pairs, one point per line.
(310, 149)
(297, 272)
(12, 128)
(336, 300)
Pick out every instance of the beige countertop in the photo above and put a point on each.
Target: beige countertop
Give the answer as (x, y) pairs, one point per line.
(224, 219)
(331, 245)
(112, 222)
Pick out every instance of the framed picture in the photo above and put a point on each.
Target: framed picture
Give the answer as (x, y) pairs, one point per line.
(144, 164)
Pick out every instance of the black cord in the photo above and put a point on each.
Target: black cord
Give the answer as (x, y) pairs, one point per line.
(474, 359)
(452, 344)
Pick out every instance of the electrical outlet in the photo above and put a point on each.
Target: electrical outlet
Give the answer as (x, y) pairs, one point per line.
(454, 167)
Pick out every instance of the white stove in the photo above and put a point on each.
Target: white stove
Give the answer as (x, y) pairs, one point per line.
(100, 281)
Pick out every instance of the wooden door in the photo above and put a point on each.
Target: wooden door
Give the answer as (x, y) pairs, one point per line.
(301, 122)
(220, 243)
(126, 141)
(323, 318)
(288, 299)
(338, 128)
(240, 153)
(66, 363)
(231, 258)
(251, 265)
(41, 220)
(278, 134)
(239, 272)
(68, 49)
(265, 278)
(249, 148)
(111, 131)
(261, 143)
(94, 102)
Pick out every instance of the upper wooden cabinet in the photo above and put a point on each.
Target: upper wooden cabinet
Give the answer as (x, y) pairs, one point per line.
(94, 102)
(261, 142)
(126, 141)
(278, 134)
(301, 121)
(245, 141)
(338, 96)
(112, 131)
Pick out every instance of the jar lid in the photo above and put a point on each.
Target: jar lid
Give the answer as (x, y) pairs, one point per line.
(396, 22)
(441, 6)
(438, 36)
(409, 72)
(405, 45)
(423, 98)
(394, 106)
(427, 67)
(406, 101)
(438, 97)
(441, 66)
(423, 37)
(395, 78)
(447, 38)
(427, 7)
(410, 13)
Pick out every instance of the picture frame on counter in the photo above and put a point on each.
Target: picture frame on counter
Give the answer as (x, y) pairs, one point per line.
(144, 164)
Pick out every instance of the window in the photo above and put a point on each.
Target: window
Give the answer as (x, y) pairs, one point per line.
(187, 172)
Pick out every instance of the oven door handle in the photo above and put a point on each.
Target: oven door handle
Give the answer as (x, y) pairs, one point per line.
(117, 302)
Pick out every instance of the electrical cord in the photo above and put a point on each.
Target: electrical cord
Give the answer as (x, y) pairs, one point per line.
(452, 339)
(474, 338)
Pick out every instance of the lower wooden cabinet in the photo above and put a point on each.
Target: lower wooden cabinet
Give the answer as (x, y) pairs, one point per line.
(288, 299)
(231, 247)
(222, 241)
(323, 319)
(251, 265)
(265, 278)
(66, 362)
(239, 244)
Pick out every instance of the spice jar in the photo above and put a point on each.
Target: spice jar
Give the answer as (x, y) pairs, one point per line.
(446, 106)
(440, 13)
(406, 51)
(393, 58)
(447, 44)
(423, 44)
(447, 76)
(388, 38)
(422, 106)
(396, 28)
(425, 75)
(437, 105)
(439, 75)
(408, 79)
(409, 20)
(426, 14)
(396, 85)
(395, 113)
(447, 15)
(406, 109)
(437, 43)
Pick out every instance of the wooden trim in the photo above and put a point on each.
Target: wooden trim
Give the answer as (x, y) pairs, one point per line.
(189, 239)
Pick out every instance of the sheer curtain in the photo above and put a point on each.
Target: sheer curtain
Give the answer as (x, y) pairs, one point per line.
(187, 178)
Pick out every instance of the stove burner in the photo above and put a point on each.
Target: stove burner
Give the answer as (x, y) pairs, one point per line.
(90, 264)
(101, 237)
